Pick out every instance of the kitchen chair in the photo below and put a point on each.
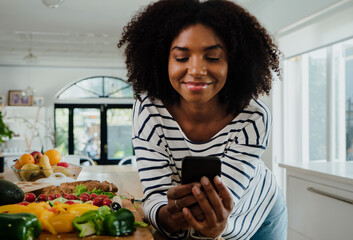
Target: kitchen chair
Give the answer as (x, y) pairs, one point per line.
(78, 160)
(126, 160)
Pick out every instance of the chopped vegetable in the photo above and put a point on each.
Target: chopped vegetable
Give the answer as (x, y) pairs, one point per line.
(140, 224)
(62, 223)
(91, 222)
(62, 200)
(19, 226)
(119, 223)
(83, 189)
(115, 206)
(84, 224)
(102, 213)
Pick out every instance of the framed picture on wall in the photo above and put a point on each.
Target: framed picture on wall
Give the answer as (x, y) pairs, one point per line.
(2, 101)
(16, 98)
(38, 101)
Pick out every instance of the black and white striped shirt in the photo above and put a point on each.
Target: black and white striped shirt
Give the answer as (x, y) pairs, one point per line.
(160, 145)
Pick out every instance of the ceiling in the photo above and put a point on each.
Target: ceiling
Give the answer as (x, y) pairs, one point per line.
(78, 33)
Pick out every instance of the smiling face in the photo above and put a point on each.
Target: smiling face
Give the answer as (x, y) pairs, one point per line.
(198, 64)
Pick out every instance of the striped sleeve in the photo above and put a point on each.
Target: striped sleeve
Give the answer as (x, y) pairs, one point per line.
(251, 185)
(153, 163)
(242, 156)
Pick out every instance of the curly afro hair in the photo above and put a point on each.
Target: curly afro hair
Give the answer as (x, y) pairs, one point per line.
(252, 54)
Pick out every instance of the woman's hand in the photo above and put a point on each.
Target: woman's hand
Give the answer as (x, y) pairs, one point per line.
(170, 216)
(216, 208)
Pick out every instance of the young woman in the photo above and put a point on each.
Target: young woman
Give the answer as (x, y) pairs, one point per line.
(197, 69)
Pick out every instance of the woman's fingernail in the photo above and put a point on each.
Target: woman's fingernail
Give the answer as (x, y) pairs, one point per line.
(218, 180)
(185, 211)
(196, 190)
(205, 181)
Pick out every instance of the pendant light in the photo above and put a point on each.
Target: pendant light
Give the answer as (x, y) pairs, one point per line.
(30, 58)
(52, 3)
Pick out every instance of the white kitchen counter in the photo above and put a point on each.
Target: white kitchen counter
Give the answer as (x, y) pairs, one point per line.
(319, 199)
(336, 171)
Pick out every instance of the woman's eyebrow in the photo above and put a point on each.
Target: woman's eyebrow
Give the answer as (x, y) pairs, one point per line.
(213, 47)
(180, 48)
(206, 48)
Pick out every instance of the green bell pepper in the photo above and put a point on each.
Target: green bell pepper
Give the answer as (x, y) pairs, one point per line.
(19, 226)
(119, 223)
(98, 221)
(91, 222)
(84, 224)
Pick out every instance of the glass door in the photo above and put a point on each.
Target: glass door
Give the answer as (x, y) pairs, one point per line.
(87, 132)
(99, 131)
(119, 121)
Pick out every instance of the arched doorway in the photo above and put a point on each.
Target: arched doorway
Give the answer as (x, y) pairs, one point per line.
(93, 117)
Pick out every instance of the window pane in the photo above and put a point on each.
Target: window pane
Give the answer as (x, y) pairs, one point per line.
(119, 123)
(92, 86)
(62, 130)
(75, 92)
(87, 132)
(98, 87)
(349, 99)
(117, 88)
(317, 104)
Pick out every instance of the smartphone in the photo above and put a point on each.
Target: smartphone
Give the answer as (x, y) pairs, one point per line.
(194, 168)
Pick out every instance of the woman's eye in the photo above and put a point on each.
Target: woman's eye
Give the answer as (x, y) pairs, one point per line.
(181, 59)
(211, 59)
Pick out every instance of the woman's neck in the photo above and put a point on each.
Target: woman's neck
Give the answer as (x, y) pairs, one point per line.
(200, 122)
(201, 113)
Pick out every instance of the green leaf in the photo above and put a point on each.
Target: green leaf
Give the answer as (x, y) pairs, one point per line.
(80, 189)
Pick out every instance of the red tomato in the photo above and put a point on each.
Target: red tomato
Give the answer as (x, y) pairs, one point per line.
(30, 197)
(93, 195)
(106, 202)
(84, 198)
(97, 201)
(42, 197)
(103, 196)
(71, 197)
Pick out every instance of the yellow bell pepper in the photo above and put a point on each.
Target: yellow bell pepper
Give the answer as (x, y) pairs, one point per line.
(13, 208)
(60, 207)
(62, 223)
(79, 209)
(44, 213)
(56, 219)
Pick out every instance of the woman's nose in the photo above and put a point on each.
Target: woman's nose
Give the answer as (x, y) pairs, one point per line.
(197, 68)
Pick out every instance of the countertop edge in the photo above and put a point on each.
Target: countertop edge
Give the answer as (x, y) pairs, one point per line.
(316, 169)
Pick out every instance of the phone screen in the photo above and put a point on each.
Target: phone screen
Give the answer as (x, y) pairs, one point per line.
(194, 168)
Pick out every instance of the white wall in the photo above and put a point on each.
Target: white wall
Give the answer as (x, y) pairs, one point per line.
(48, 81)
(276, 15)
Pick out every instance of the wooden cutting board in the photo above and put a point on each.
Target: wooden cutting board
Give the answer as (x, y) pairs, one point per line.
(139, 234)
(31, 186)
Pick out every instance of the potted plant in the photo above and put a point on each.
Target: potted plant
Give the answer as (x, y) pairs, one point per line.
(5, 132)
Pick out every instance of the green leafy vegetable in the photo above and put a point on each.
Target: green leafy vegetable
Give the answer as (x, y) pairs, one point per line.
(81, 189)
(100, 192)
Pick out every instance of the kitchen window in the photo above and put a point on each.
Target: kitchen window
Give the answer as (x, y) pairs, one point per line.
(93, 117)
(318, 104)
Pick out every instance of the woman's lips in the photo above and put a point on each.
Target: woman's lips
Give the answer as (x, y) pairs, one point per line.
(196, 86)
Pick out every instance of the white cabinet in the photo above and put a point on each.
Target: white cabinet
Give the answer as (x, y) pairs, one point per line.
(320, 203)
